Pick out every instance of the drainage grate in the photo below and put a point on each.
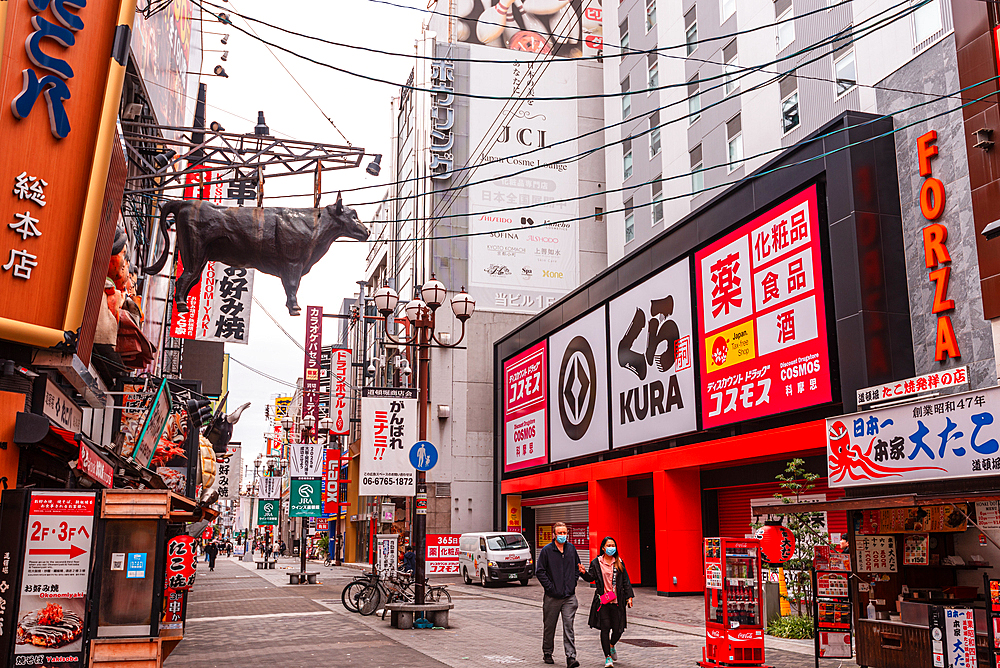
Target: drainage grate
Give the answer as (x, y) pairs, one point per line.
(645, 642)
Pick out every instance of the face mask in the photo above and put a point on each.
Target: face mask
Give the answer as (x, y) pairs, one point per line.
(610, 551)
(561, 539)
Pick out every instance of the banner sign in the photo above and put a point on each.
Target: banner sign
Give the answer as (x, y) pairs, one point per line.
(304, 497)
(227, 478)
(340, 364)
(306, 460)
(313, 362)
(762, 316)
(218, 305)
(388, 429)
(930, 382)
(525, 398)
(94, 466)
(60, 408)
(281, 407)
(956, 436)
(442, 554)
(52, 610)
(331, 488)
(514, 513)
(386, 550)
(267, 512)
(960, 632)
(652, 374)
(152, 429)
(270, 487)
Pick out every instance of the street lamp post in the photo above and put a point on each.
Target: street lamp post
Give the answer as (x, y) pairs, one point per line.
(422, 316)
(255, 491)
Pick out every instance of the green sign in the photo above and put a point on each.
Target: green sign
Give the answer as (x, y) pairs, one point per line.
(305, 497)
(267, 512)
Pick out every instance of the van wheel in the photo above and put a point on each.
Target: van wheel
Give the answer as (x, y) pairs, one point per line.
(524, 581)
(482, 579)
(465, 575)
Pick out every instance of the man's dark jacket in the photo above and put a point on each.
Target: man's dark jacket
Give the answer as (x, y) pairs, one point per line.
(557, 571)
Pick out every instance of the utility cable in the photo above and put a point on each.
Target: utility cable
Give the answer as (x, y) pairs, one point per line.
(278, 324)
(261, 373)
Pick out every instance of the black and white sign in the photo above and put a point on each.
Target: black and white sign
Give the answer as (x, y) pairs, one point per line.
(227, 478)
(305, 460)
(652, 374)
(578, 392)
(270, 487)
(388, 431)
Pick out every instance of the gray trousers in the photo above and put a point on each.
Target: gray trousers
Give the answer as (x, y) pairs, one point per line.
(552, 608)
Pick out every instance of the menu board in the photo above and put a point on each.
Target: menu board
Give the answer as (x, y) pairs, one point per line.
(835, 615)
(876, 554)
(988, 514)
(831, 584)
(916, 550)
(924, 519)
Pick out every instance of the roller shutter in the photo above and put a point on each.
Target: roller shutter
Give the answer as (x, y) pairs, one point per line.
(734, 507)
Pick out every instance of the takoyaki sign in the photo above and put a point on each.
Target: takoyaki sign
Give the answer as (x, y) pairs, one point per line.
(956, 436)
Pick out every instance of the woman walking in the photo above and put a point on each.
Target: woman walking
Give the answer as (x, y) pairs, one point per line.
(614, 593)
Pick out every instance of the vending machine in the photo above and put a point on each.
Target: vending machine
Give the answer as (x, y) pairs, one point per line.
(734, 630)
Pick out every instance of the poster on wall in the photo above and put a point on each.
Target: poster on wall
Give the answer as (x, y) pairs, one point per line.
(956, 436)
(525, 256)
(875, 554)
(525, 398)
(652, 370)
(762, 316)
(578, 402)
(388, 430)
(386, 550)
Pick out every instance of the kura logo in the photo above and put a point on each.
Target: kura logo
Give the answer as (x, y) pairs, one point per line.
(577, 388)
(659, 353)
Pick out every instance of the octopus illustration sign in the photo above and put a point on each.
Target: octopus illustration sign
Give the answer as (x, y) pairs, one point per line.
(955, 436)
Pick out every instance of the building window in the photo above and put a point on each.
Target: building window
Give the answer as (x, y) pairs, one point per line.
(846, 73)
(654, 134)
(785, 26)
(623, 31)
(926, 22)
(732, 61)
(728, 9)
(734, 143)
(652, 72)
(629, 221)
(694, 100)
(657, 200)
(697, 176)
(691, 29)
(627, 158)
(650, 14)
(788, 90)
(626, 99)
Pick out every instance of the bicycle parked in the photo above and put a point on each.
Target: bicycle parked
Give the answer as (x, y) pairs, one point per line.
(393, 588)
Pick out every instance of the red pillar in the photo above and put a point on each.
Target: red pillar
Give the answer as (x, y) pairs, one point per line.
(677, 504)
(613, 514)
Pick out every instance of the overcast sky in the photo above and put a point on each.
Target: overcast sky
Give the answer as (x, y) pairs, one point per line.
(360, 109)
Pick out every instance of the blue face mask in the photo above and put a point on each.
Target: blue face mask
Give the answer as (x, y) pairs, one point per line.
(610, 550)
(561, 538)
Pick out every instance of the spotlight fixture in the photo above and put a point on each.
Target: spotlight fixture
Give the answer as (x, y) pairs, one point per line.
(225, 40)
(375, 166)
(220, 71)
(161, 160)
(224, 18)
(225, 56)
(215, 126)
(261, 128)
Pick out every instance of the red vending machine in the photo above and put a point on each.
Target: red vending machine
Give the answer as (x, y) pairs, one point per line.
(734, 631)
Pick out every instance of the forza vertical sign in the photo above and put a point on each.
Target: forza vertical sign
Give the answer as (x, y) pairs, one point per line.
(762, 318)
(652, 374)
(388, 430)
(578, 402)
(525, 382)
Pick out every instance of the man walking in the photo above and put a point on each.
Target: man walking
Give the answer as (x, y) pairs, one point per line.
(557, 570)
(212, 551)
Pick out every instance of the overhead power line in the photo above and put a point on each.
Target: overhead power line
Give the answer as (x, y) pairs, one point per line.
(278, 324)
(261, 373)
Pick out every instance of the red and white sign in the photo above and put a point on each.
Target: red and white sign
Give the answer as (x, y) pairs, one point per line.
(442, 554)
(95, 467)
(762, 317)
(525, 396)
(218, 305)
(340, 363)
(181, 566)
(905, 388)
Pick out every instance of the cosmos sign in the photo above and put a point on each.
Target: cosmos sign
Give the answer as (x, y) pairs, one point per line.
(578, 393)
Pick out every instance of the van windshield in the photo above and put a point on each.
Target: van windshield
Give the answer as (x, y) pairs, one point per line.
(507, 542)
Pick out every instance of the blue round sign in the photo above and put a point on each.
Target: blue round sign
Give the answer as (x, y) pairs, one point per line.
(423, 455)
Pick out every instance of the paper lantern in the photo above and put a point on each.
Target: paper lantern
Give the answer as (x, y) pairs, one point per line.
(181, 568)
(777, 543)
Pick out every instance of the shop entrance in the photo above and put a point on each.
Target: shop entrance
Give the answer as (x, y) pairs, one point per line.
(647, 541)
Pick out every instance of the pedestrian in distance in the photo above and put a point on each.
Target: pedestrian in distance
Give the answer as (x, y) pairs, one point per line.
(409, 560)
(557, 571)
(611, 598)
(268, 550)
(212, 551)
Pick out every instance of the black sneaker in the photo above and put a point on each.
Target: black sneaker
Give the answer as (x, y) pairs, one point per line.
(571, 662)
(547, 658)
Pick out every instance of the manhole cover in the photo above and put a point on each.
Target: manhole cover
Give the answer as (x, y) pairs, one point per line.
(645, 642)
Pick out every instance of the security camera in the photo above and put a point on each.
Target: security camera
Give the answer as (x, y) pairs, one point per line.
(407, 371)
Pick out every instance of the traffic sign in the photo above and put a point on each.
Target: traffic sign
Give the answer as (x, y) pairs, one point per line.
(423, 455)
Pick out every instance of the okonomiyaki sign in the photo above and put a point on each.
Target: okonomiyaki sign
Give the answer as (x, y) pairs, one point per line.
(955, 436)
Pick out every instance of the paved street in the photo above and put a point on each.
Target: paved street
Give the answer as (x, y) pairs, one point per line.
(240, 616)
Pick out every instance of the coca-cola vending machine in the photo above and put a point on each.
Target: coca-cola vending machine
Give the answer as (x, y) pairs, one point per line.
(734, 630)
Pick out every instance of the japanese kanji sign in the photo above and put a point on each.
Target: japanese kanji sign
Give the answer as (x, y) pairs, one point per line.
(305, 497)
(955, 436)
(218, 305)
(305, 460)
(930, 382)
(960, 634)
(229, 472)
(313, 362)
(181, 566)
(152, 429)
(652, 370)
(388, 429)
(525, 397)
(57, 138)
(875, 554)
(267, 512)
(762, 316)
(270, 487)
(442, 554)
(340, 363)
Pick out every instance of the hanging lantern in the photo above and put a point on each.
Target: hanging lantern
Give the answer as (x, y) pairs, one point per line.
(181, 567)
(777, 542)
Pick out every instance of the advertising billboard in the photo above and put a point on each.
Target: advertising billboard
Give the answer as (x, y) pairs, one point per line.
(525, 399)
(652, 370)
(522, 259)
(761, 316)
(218, 305)
(388, 430)
(578, 374)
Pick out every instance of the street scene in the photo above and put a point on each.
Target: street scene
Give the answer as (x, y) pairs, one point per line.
(413, 333)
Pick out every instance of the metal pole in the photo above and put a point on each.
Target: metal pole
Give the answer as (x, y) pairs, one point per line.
(420, 505)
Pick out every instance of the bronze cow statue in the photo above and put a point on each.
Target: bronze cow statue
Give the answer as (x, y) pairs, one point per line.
(279, 241)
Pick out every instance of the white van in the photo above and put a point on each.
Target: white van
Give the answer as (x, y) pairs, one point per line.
(495, 556)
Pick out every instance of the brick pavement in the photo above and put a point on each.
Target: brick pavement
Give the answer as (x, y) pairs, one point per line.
(242, 616)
